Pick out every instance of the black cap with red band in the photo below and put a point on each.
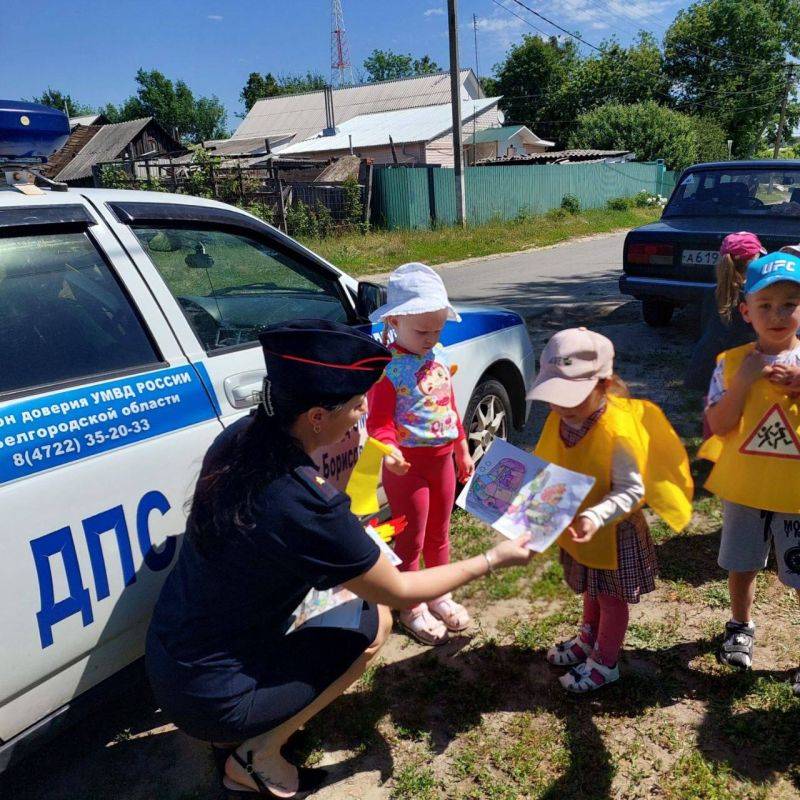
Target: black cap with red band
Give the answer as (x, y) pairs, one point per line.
(316, 362)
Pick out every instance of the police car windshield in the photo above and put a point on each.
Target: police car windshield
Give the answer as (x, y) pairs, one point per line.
(746, 192)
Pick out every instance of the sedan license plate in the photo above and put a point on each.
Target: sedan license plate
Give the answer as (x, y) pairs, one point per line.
(706, 257)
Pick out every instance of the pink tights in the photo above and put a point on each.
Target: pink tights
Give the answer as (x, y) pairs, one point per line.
(607, 618)
(424, 495)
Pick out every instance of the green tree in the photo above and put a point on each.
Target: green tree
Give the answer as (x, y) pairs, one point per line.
(726, 59)
(533, 80)
(649, 130)
(619, 74)
(711, 138)
(63, 102)
(386, 65)
(259, 86)
(173, 105)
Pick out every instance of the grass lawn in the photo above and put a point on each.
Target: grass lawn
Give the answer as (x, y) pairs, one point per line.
(382, 251)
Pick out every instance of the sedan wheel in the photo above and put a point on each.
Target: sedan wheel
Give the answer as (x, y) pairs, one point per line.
(488, 417)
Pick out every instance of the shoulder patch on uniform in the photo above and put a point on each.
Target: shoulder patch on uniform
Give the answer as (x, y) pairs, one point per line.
(311, 479)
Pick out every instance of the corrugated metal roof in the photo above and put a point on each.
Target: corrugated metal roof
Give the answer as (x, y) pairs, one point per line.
(560, 157)
(494, 134)
(87, 119)
(106, 145)
(407, 125)
(302, 115)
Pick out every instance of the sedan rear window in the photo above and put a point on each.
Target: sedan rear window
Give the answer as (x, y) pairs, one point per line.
(745, 192)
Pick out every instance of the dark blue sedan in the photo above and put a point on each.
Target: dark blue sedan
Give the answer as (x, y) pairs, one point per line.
(670, 263)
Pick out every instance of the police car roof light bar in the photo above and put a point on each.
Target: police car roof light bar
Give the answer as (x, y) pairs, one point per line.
(29, 134)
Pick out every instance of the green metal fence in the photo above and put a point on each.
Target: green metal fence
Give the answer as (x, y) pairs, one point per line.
(405, 197)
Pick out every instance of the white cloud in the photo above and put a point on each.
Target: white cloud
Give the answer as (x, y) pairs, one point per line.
(215, 17)
(434, 12)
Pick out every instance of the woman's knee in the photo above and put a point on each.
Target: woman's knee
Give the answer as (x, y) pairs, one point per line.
(385, 622)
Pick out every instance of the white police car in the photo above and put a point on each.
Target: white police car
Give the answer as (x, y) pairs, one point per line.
(128, 324)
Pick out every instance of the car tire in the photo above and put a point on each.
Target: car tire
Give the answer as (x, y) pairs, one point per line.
(488, 416)
(657, 313)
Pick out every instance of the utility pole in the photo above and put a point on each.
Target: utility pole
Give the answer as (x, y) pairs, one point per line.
(455, 101)
(475, 30)
(779, 134)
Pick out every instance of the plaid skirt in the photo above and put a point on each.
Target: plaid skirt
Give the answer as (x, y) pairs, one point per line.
(637, 565)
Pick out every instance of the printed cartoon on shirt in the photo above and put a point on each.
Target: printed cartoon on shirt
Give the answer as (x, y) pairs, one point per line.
(433, 380)
(516, 493)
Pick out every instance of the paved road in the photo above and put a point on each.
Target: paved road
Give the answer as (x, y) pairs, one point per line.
(534, 281)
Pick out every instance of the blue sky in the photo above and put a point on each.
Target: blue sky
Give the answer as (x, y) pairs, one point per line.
(93, 48)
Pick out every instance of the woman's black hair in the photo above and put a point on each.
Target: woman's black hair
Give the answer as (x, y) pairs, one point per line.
(231, 478)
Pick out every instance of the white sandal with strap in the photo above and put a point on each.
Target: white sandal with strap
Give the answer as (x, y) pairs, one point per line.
(589, 676)
(452, 614)
(423, 626)
(572, 651)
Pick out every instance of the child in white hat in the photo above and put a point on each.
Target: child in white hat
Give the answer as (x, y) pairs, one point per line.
(634, 455)
(413, 408)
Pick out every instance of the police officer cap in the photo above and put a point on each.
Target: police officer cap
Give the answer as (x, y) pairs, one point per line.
(316, 362)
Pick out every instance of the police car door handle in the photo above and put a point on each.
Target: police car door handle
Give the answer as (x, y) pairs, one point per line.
(244, 389)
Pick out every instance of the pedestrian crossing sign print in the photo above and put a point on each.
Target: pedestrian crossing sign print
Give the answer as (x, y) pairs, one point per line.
(773, 436)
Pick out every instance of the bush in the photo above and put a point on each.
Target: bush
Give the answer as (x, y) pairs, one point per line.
(557, 214)
(570, 204)
(647, 129)
(646, 200)
(620, 204)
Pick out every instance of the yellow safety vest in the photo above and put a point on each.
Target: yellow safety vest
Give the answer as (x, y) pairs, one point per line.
(757, 464)
(660, 458)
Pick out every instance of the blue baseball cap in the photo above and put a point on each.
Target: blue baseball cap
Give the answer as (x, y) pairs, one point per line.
(769, 269)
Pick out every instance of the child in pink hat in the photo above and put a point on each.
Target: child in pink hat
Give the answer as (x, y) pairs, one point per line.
(724, 326)
(632, 452)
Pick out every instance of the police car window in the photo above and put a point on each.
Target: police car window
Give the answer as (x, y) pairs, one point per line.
(230, 286)
(63, 316)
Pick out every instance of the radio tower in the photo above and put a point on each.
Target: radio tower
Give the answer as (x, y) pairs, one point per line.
(341, 68)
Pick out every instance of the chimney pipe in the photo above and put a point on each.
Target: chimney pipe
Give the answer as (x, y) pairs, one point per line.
(330, 119)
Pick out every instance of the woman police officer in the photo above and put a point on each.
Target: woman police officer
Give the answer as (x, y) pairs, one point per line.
(265, 528)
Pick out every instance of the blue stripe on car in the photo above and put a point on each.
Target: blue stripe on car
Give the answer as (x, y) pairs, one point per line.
(473, 324)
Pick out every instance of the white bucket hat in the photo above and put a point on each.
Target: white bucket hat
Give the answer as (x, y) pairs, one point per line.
(414, 289)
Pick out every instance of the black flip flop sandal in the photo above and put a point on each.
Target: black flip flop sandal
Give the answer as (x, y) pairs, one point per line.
(309, 780)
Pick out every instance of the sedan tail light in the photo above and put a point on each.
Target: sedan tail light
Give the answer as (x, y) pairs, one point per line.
(655, 254)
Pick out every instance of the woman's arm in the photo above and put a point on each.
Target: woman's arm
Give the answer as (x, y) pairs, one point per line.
(386, 585)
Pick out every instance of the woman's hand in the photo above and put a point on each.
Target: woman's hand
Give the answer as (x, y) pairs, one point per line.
(396, 463)
(582, 530)
(511, 552)
(465, 466)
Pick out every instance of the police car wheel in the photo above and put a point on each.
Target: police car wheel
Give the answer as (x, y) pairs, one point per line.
(488, 416)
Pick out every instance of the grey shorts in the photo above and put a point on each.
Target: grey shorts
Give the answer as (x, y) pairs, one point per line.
(748, 534)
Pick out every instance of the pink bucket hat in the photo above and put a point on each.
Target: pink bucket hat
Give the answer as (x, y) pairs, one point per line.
(742, 245)
(571, 365)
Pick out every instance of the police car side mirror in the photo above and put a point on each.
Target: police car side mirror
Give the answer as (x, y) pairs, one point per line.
(370, 297)
(199, 259)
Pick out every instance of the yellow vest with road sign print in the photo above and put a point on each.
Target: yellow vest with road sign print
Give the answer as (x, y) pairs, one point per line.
(660, 458)
(757, 464)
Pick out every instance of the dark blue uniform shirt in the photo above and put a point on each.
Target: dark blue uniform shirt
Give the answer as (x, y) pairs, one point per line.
(220, 615)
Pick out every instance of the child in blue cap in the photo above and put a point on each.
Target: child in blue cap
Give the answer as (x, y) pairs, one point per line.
(754, 412)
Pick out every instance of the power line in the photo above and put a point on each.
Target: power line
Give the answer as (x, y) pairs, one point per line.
(556, 25)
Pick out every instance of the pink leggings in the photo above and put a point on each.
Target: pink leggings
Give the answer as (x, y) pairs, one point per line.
(424, 496)
(607, 617)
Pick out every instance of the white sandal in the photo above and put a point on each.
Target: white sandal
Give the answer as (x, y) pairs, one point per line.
(564, 654)
(583, 678)
(423, 626)
(452, 614)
